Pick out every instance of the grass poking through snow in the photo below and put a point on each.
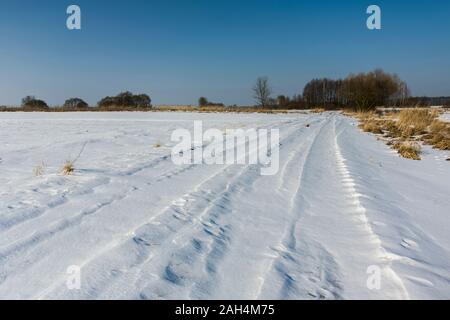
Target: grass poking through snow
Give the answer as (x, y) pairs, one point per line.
(68, 168)
(403, 130)
(408, 150)
(39, 170)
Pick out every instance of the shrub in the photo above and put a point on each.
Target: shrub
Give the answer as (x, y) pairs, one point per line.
(30, 102)
(202, 102)
(75, 103)
(126, 99)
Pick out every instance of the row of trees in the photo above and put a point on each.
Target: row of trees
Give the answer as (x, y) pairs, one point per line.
(363, 91)
(429, 101)
(203, 102)
(262, 94)
(127, 99)
(122, 100)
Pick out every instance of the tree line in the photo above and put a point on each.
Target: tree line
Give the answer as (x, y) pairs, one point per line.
(363, 91)
(123, 100)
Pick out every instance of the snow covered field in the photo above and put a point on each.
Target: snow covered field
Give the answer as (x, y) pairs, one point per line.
(446, 116)
(140, 227)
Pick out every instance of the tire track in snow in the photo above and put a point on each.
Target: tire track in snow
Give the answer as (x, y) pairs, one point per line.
(145, 242)
(413, 251)
(304, 267)
(442, 166)
(219, 232)
(136, 244)
(360, 217)
(32, 241)
(293, 156)
(22, 216)
(206, 245)
(207, 241)
(18, 248)
(64, 222)
(7, 223)
(29, 215)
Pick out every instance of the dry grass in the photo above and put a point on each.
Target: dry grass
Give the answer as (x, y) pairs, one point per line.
(439, 135)
(317, 110)
(220, 109)
(371, 122)
(408, 150)
(68, 168)
(372, 125)
(391, 130)
(244, 110)
(157, 145)
(415, 121)
(176, 108)
(39, 170)
(206, 109)
(403, 129)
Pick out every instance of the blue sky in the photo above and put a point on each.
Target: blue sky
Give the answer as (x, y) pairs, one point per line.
(179, 50)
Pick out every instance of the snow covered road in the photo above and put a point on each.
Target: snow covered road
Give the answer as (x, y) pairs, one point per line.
(342, 206)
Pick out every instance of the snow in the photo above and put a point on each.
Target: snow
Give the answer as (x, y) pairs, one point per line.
(141, 227)
(445, 116)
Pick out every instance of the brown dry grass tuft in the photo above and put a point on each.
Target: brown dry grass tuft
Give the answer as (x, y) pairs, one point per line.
(372, 125)
(68, 168)
(391, 129)
(439, 136)
(317, 110)
(404, 128)
(415, 121)
(408, 150)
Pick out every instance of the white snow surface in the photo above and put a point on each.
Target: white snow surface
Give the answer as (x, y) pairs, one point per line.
(445, 116)
(141, 227)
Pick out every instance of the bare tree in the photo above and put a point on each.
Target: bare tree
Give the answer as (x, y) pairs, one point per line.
(262, 91)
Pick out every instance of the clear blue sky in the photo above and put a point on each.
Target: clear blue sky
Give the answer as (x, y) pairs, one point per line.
(177, 51)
